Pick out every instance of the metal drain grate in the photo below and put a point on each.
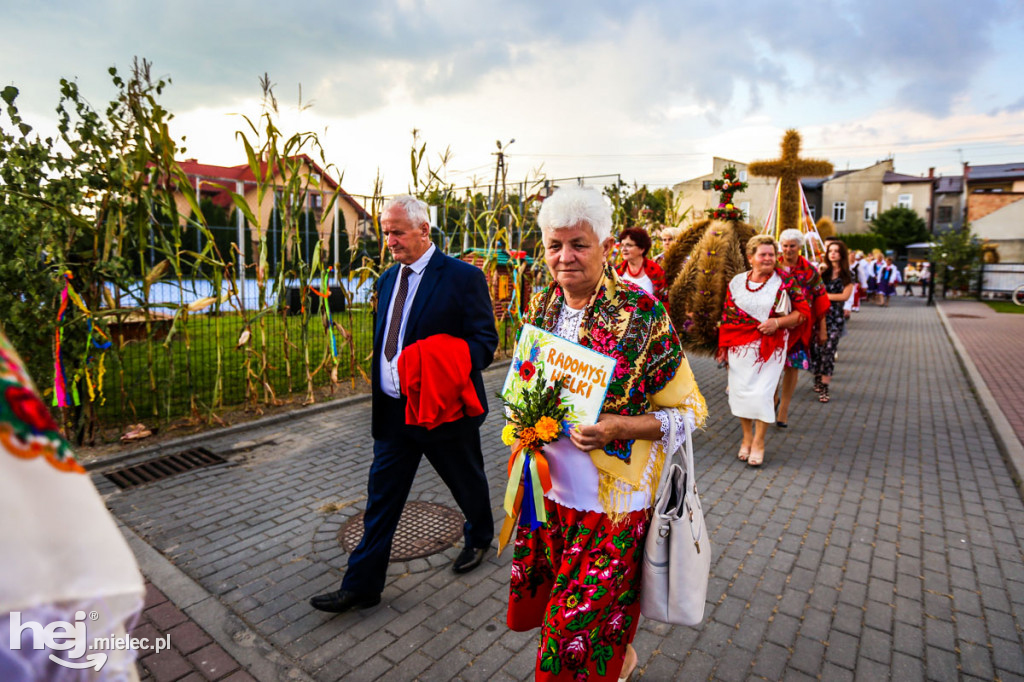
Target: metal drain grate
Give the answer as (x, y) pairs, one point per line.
(423, 529)
(973, 317)
(163, 467)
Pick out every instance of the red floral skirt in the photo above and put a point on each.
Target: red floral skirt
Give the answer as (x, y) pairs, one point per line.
(578, 579)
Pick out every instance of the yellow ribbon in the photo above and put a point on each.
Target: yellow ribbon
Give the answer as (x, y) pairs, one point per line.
(515, 475)
(514, 492)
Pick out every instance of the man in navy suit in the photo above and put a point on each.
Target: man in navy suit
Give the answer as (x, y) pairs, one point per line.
(426, 293)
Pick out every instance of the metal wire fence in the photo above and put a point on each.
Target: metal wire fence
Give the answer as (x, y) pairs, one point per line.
(283, 336)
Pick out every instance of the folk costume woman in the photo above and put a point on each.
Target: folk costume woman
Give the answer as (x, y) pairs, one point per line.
(62, 557)
(577, 576)
(806, 277)
(636, 267)
(761, 309)
(888, 278)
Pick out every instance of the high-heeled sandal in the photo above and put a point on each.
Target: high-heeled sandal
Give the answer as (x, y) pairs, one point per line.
(627, 668)
(756, 458)
(743, 453)
(824, 397)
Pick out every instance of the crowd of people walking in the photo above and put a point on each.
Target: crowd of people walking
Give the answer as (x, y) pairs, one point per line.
(577, 568)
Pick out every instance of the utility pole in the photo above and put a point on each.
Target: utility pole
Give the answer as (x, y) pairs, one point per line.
(500, 171)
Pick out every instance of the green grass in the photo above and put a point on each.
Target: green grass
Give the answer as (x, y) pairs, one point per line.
(184, 369)
(1005, 307)
(189, 367)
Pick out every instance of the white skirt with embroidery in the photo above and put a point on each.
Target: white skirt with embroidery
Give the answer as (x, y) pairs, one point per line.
(752, 384)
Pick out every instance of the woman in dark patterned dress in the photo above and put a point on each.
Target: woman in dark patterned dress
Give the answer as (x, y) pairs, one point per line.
(839, 284)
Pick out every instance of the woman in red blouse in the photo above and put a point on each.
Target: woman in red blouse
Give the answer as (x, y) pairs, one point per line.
(636, 267)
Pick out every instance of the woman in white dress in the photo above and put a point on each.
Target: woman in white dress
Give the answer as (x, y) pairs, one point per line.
(760, 309)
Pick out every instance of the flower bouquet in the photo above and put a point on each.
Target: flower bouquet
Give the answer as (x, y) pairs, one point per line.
(536, 419)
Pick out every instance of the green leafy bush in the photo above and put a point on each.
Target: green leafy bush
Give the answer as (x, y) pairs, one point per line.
(863, 242)
(957, 256)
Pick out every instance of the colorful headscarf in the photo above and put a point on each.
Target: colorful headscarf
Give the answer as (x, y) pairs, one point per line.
(632, 327)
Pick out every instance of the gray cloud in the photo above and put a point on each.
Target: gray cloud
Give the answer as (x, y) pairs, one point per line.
(350, 55)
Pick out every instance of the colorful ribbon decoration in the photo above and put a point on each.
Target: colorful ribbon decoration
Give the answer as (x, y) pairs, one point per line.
(325, 286)
(59, 383)
(60, 379)
(531, 487)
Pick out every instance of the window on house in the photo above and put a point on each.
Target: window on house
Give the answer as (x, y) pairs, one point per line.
(906, 201)
(870, 210)
(743, 176)
(945, 214)
(839, 211)
(745, 208)
(706, 185)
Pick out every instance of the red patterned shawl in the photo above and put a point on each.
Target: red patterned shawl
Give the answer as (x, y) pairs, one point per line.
(740, 329)
(805, 277)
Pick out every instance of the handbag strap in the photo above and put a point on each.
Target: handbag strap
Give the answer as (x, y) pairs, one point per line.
(686, 455)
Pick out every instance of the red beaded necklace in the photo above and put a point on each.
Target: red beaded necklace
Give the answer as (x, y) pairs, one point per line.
(638, 272)
(756, 289)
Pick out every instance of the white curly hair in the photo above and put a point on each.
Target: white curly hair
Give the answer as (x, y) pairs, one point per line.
(792, 235)
(570, 206)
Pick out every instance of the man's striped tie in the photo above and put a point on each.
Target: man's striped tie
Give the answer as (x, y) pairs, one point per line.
(391, 345)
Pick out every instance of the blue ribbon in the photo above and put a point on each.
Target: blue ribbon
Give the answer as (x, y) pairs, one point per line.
(529, 514)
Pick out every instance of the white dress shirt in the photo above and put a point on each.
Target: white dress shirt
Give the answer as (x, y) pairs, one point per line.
(389, 370)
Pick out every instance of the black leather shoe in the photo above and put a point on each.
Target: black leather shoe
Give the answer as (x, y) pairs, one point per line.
(343, 600)
(469, 559)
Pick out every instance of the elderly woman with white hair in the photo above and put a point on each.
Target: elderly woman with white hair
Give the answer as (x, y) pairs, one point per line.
(667, 237)
(577, 576)
(793, 266)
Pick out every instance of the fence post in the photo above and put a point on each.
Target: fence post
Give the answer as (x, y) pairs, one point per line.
(337, 241)
(240, 234)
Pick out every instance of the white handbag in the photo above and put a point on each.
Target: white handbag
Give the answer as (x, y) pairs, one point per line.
(677, 552)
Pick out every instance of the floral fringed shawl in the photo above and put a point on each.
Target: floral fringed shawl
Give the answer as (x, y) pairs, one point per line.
(808, 280)
(632, 327)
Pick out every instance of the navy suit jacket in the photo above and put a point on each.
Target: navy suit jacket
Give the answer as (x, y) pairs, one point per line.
(452, 298)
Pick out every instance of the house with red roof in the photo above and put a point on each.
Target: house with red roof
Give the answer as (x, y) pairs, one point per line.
(217, 184)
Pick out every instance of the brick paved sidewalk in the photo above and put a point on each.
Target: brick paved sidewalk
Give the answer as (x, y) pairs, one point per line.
(995, 342)
(193, 655)
(883, 538)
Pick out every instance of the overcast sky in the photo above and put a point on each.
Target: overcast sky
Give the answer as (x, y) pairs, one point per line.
(649, 90)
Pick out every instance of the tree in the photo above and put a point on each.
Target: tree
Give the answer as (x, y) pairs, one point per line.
(900, 226)
(956, 255)
(641, 206)
(29, 277)
(80, 212)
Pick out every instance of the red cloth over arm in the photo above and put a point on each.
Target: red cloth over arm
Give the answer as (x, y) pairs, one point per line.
(435, 376)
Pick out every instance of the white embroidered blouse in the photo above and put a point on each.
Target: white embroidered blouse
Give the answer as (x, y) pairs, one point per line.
(574, 478)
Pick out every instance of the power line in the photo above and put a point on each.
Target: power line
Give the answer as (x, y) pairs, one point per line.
(1006, 139)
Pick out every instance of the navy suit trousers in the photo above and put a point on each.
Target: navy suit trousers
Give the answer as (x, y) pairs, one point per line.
(459, 462)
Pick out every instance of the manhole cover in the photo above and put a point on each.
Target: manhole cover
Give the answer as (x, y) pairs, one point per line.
(973, 317)
(423, 529)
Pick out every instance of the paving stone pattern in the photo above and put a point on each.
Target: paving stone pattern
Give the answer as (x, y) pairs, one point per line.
(881, 539)
(192, 656)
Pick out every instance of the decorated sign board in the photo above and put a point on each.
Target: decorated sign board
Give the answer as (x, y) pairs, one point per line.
(587, 373)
